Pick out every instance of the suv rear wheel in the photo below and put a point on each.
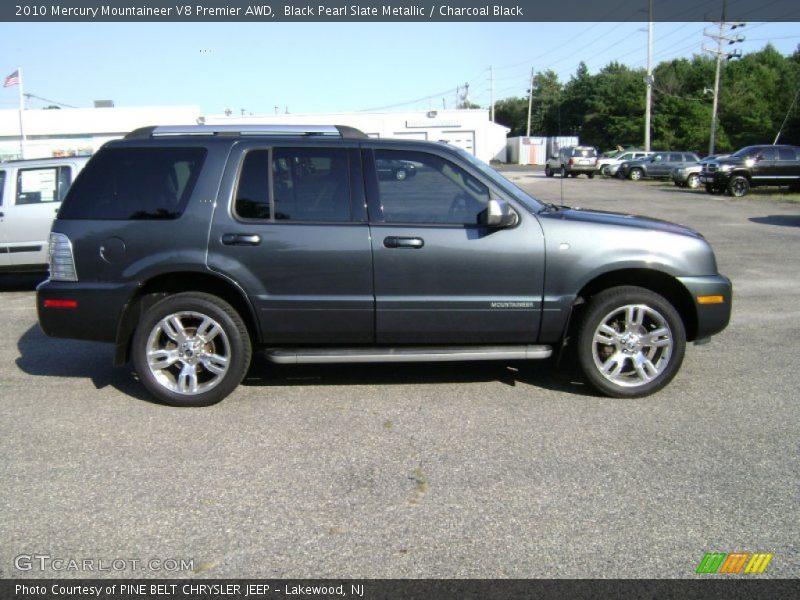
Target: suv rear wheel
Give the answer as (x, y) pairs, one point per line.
(191, 349)
(631, 342)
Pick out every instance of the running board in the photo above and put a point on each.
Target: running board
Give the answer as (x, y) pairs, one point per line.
(406, 354)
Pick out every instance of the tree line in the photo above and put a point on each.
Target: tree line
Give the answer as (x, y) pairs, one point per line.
(607, 109)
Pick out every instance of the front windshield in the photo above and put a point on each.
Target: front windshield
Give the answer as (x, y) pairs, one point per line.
(507, 186)
(745, 152)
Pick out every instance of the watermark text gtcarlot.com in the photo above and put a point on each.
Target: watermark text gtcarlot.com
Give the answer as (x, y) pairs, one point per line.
(59, 564)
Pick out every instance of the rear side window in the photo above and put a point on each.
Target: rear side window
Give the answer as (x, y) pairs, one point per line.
(134, 183)
(37, 186)
(783, 154)
(308, 184)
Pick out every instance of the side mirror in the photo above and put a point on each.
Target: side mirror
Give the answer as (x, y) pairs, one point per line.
(498, 215)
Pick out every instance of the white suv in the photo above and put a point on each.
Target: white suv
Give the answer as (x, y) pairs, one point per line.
(31, 192)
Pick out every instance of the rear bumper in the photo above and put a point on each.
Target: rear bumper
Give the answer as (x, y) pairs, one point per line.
(81, 311)
(712, 316)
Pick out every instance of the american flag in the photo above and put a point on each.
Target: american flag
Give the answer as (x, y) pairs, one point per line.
(12, 79)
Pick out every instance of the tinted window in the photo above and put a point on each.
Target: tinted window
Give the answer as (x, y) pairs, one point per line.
(584, 152)
(786, 154)
(675, 157)
(2, 185)
(311, 184)
(48, 184)
(134, 183)
(766, 154)
(252, 189)
(433, 190)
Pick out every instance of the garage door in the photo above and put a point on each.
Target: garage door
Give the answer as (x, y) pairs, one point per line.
(461, 139)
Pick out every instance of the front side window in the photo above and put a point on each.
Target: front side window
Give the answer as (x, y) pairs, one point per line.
(307, 184)
(431, 189)
(37, 186)
(134, 183)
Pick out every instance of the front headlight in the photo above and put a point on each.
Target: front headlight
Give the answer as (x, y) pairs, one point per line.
(725, 168)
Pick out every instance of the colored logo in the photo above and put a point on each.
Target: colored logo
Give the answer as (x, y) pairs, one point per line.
(733, 563)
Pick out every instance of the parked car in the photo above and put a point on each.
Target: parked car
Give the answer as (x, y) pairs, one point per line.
(659, 165)
(608, 166)
(188, 250)
(572, 161)
(395, 169)
(689, 175)
(753, 166)
(31, 192)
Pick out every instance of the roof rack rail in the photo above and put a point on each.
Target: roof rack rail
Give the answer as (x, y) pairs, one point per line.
(340, 131)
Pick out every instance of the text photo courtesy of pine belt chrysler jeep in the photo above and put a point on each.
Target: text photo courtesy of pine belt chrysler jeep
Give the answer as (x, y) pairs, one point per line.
(191, 247)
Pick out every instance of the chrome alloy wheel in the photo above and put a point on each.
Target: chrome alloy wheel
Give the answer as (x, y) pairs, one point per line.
(188, 353)
(632, 345)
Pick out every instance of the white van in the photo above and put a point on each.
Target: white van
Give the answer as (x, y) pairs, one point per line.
(31, 192)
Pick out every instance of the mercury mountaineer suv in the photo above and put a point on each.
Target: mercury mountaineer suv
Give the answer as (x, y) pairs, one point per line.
(191, 247)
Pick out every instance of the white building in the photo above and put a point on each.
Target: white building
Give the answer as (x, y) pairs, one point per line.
(84, 130)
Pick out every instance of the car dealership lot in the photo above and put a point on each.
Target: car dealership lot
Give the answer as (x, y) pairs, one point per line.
(434, 470)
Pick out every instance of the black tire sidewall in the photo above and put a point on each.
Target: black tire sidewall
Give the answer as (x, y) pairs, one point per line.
(601, 305)
(222, 313)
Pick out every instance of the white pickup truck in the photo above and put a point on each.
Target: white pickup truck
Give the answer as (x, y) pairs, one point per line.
(31, 192)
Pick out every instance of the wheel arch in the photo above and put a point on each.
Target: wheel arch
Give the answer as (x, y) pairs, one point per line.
(166, 284)
(656, 281)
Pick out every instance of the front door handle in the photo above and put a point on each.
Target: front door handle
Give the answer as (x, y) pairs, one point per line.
(404, 242)
(241, 239)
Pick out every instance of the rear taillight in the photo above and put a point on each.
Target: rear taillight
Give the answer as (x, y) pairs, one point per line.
(571, 162)
(62, 262)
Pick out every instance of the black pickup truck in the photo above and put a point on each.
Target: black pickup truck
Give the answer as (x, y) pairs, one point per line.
(753, 166)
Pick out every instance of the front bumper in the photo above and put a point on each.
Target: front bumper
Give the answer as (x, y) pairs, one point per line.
(712, 316)
(717, 179)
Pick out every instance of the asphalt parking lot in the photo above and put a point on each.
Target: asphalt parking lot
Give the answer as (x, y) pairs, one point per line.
(443, 470)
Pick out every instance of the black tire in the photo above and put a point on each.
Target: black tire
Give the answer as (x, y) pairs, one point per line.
(604, 171)
(400, 175)
(738, 186)
(213, 362)
(634, 314)
(590, 175)
(563, 172)
(693, 181)
(548, 172)
(635, 174)
(573, 175)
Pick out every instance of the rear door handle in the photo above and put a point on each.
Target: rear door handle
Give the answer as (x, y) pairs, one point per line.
(403, 242)
(241, 239)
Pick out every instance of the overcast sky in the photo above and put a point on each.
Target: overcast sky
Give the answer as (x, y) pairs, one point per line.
(320, 67)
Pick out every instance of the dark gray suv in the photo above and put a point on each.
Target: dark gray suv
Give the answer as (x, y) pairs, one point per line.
(189, 248)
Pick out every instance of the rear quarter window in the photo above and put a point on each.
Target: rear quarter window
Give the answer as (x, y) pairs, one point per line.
(134, 183)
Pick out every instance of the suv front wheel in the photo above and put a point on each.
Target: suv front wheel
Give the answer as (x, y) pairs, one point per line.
(631, 342)
(191, 349)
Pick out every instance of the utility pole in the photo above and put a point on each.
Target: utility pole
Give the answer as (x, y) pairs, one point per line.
(648, 102)
(491, 91)
(530, 104)
(722, 39)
